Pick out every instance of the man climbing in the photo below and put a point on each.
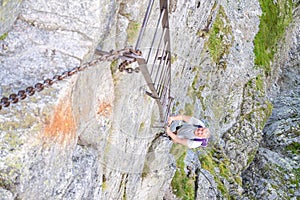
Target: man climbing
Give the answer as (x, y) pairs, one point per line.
(192, 133)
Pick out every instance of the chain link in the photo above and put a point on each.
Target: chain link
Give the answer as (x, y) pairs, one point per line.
(124, 65)
(129, 56)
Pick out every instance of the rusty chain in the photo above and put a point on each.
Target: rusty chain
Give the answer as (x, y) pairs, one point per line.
(124, 65)
(128, 55)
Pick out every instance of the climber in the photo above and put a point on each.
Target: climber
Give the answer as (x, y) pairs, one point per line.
(188, 131)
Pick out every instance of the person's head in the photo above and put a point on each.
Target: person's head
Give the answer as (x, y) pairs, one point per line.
(202, 132)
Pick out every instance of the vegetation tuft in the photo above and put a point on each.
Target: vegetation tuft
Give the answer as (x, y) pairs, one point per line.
(213, 160)
(183, 186)
(276, 16)
(2, 37)
(132, 31)
(220, 36)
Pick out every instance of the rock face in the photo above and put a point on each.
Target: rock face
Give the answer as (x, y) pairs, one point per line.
(274, 173)
(9, 11)
(92, 136)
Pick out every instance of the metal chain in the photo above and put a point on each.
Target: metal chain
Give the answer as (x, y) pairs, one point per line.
(124, 65)
(129, 55)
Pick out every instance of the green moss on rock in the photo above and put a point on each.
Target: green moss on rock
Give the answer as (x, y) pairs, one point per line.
(217, 163)
(294, 148)
(195, 90)
(189, 109)
(209, 164)
(220, 36)
(132, 31)
(174, 58)
(2, 37)
(183, 186)
(276, 16)
(142, 127)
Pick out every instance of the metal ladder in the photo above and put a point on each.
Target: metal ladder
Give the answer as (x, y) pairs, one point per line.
(156, 64)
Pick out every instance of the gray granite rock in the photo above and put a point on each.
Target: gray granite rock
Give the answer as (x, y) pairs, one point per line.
(91, 136)
(274, 173)
(9, 11)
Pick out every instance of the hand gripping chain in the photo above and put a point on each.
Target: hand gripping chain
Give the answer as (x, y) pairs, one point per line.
(127, 54)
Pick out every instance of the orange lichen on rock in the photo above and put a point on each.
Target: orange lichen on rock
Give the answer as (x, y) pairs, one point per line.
(61, 128)
(104, 109)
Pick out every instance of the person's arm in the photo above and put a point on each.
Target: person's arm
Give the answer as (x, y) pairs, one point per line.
(175, 138)
(179, 117)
